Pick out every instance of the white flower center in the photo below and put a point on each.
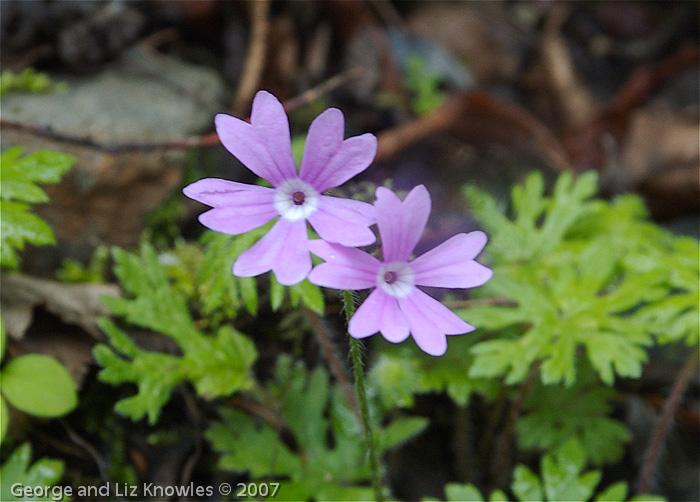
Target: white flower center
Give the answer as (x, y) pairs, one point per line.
(295, 199)
(396, 279)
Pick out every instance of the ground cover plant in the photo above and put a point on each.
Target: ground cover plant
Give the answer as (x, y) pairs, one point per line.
(359, 264)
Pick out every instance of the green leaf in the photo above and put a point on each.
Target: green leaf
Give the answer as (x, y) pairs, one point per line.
(498, 496)
(557, 414)
(28, 80)
(39, 385)
(401, 430)
(561, 474)
(568, 278)
(540, 223)
(526, 485)
(3, 339)
(16, 469)
(4, 418)
(216, 365)
(613, 493)
(311, 296)
(462, 493)
(276, 293)
(328, 457)
(218, 288)
(257, 449)
(18, 178)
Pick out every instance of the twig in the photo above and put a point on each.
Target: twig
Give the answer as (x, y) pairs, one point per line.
(326, 86)
(99, 461)
(478, 116)
(479, 302)
(503, 452)
(48, 132)
(195, 417)
(334, 362)
(210, 139)
(397, 139)
(387, 13)
(642, 82)
(462, 438)
(258, 410)
(255, 59)
(652, 454)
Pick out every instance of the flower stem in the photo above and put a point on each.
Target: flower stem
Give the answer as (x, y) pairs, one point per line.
(356, 354)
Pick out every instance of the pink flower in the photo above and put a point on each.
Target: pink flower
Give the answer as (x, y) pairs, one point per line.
(397, 307)
(264, 147)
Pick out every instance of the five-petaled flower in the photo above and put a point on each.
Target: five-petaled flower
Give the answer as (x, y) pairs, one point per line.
(397, 307)
(264, 147)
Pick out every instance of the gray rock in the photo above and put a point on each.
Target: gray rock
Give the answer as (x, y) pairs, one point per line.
(142, 98)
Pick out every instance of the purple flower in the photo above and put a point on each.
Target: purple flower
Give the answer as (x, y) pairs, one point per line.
(264, 147)
(397, 307)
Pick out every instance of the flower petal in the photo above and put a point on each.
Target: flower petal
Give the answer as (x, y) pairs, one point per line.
(451, 264)
(237, 220)
(283, 249)
(343, 221)
(379, 312)
(345, 267)
(351, 158)
(264, 145)
(216, 192)
(401, 224)
(237, 207)
(430, 321)
(293, 263)
(322, 142)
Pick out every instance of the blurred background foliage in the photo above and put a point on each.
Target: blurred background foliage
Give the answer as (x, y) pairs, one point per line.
(567, 131)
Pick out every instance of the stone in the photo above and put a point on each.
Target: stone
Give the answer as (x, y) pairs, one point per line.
(144, 97)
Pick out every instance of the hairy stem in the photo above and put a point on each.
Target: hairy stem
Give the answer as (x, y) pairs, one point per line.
(356, 355)
(669, 410)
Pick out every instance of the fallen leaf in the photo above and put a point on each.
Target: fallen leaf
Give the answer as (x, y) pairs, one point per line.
(77, 304)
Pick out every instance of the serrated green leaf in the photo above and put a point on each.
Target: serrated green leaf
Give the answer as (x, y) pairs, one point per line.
(42, 166)
(250, 447)
(557, 414)
(18, 178)
(608, 350)
(561, 473)
(19, 225)
(215, 365)
(23, 191)
(328, 461)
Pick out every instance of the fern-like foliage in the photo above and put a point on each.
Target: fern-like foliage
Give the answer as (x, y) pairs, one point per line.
(401, 371)
(579, 282)
(313, 411)
(19, 179)
(555, 414)
(217, 364)
(562, 477)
